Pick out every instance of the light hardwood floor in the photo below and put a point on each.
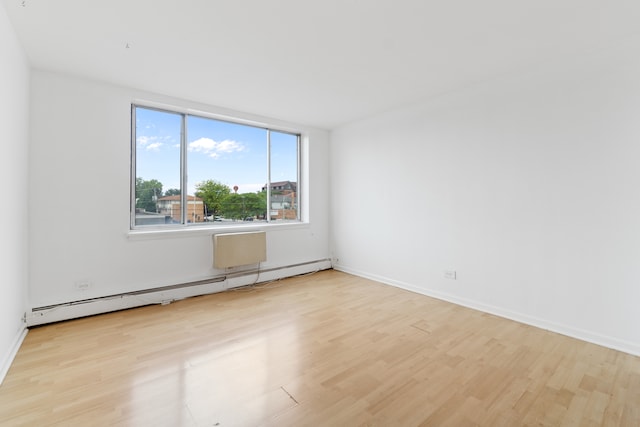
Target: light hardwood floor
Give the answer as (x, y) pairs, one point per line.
(328, 349)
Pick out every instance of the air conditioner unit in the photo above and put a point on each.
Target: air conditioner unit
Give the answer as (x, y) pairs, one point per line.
(235, 249)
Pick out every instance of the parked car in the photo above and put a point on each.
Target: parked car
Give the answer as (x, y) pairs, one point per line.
(249, 218)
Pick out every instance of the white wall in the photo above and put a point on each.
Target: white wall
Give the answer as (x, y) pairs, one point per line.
(527, 186)
(14, 109)
(80, 167)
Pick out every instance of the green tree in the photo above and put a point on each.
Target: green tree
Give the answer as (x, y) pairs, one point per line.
(255, 204)
(231, 206)
(212, 193)
(172, 192)
(240, 206)
(147, 194)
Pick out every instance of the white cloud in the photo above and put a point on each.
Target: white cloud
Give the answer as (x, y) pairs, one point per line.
(151, 143)
(213, 148)
(144, 140)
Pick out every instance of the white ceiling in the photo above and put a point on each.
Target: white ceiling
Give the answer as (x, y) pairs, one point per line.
(321, 63)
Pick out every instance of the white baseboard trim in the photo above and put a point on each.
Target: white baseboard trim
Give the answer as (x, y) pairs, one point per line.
(167, 294)
(11, 354)
(581, 334)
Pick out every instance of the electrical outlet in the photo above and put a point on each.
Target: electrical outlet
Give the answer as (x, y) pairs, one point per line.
(83, 285)
(450, 274)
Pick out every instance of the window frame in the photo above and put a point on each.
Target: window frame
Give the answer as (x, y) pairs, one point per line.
(184, 114)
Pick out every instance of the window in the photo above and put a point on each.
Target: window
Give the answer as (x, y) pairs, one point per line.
(194, 170)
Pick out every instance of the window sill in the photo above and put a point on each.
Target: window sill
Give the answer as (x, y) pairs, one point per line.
(198, 231)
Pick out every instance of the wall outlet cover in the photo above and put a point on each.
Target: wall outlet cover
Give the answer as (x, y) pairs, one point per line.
(450, 274)
(82, 285)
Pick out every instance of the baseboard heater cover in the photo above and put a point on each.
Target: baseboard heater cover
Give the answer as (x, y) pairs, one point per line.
(134, 293)
(91, 306)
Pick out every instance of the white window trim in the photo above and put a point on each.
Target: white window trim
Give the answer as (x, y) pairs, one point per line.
(157, 233)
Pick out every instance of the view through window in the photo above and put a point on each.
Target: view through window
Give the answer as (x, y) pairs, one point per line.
(192, 170)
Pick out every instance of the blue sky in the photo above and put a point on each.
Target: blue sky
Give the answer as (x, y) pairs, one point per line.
(226, 152)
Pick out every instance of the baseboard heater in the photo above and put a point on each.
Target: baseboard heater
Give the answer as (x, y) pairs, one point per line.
(159, 295)
(134, 293)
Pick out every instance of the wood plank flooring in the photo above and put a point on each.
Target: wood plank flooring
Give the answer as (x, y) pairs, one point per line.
(328, 349)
